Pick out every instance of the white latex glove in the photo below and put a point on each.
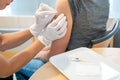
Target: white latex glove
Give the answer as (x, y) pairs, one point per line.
(55, 30)
(43, 16)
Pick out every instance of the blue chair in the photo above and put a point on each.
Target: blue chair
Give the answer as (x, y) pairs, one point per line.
(105, 39)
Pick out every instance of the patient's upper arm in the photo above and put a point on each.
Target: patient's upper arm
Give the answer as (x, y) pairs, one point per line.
(60, 45)
(0, 39)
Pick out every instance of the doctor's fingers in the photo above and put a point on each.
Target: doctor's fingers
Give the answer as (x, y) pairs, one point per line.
(55, 22)
(60, 23)
(62, 29)
(63, 33)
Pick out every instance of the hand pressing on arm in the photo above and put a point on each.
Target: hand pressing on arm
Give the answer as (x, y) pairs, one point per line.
(60, 26)
(52, 31)
(57, 28)
(43, 16)
(59, 46)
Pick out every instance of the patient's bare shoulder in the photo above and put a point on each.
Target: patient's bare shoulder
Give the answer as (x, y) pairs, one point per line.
(62, 6)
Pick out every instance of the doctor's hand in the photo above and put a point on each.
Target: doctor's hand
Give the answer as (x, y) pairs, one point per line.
(55, 30)
(43, 16)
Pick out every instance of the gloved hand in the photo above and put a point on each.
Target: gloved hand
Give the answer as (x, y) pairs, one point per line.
(43, 16)
(55, 30)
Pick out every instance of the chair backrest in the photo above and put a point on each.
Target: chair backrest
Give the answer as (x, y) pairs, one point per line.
(107, 39)
(116, 42)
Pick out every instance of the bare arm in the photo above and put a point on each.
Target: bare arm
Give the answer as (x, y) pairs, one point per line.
(11, 40)
(7, 67)
(60, 45)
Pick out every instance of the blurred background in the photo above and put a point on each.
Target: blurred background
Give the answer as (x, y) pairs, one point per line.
(20, 15)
